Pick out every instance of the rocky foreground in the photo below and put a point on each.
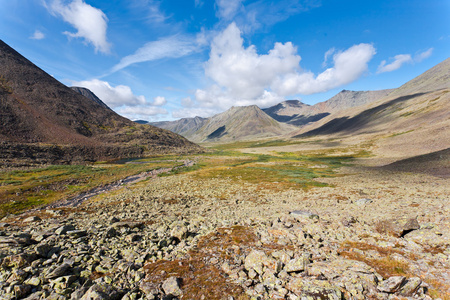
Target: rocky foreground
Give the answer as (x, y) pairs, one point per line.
(371, 236)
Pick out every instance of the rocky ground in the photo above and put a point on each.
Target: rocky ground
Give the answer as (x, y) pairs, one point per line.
(371, 235)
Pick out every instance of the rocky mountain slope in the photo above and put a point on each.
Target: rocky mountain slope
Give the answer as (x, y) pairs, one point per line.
(185, 126)
(239, 123)
(412, 120)
(297, 113)
(41, 117)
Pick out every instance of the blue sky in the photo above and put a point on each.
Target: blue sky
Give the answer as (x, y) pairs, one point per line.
(163, 60)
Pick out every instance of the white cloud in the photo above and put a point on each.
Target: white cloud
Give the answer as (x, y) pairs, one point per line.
(421, 56)
(199, 3)
(240, 73)
(227, 9)
(399, 60)
(37, 35)
(261, 14)
(244, 77)
(112, 96)
(402, 59)
(194, 112)
(327, 55)
(187, 102)
(168, 47)
(90, 22)
(159, 101)
(349, 65)
(141, 112)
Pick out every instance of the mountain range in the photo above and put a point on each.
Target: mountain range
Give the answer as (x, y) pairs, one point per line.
(412, 120)
(45, 120)
(251, 122)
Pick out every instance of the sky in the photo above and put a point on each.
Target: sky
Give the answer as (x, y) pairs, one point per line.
(164, 60)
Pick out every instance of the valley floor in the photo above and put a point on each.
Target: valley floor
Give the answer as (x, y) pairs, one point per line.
(240, 226)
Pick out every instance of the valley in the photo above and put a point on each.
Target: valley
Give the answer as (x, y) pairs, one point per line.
(243, 221)
(344, 199)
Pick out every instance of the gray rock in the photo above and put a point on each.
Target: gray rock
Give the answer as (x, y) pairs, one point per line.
(130, 224)
(296, 265)
(101, 291)
(111, 232)
(58, 272)
(43, 249)
(171, 286)
(410, 287)
(392, 284)
(363, 201)
(32, 219)
(76, 233)
(303, 215)
(397, 227)
(63, 229)
(22, 290)
(311, 289)
(179, 232)
(254, 260)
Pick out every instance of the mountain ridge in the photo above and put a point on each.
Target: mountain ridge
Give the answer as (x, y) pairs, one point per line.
(36, 110)
(239, 123)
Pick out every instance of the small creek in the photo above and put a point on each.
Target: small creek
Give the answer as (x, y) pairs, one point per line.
(77, 200)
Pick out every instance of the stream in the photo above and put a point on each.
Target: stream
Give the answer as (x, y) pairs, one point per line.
(77, 200)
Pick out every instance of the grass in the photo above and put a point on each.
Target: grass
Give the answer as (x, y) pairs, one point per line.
(22, 190)
(25, 189)
(277, 171)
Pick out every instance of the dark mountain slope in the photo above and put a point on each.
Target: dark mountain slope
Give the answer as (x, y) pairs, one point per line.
(37, 109)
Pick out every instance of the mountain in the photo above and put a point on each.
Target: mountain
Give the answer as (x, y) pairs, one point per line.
(185, 126)
(297, 113)
(141, 121)
(239, 123)
(88, 94)
(42, 118)
(410, 121)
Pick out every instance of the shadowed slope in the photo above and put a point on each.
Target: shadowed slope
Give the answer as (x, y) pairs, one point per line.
(239, 123)
(360, 121)
(435, 163)
(297, 113)
(37, 109)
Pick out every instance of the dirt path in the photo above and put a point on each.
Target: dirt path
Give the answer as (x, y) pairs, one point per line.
(77, 200)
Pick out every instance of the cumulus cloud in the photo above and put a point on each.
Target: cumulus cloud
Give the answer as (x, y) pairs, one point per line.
(401, 59)
(159, 101)
(168, 47)
(397, 62)
(240, 73)
(349, 65)
(194, 112)
(244, 77)
(37, 35)
(120, 95)
(141, 112)
(90, 22)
